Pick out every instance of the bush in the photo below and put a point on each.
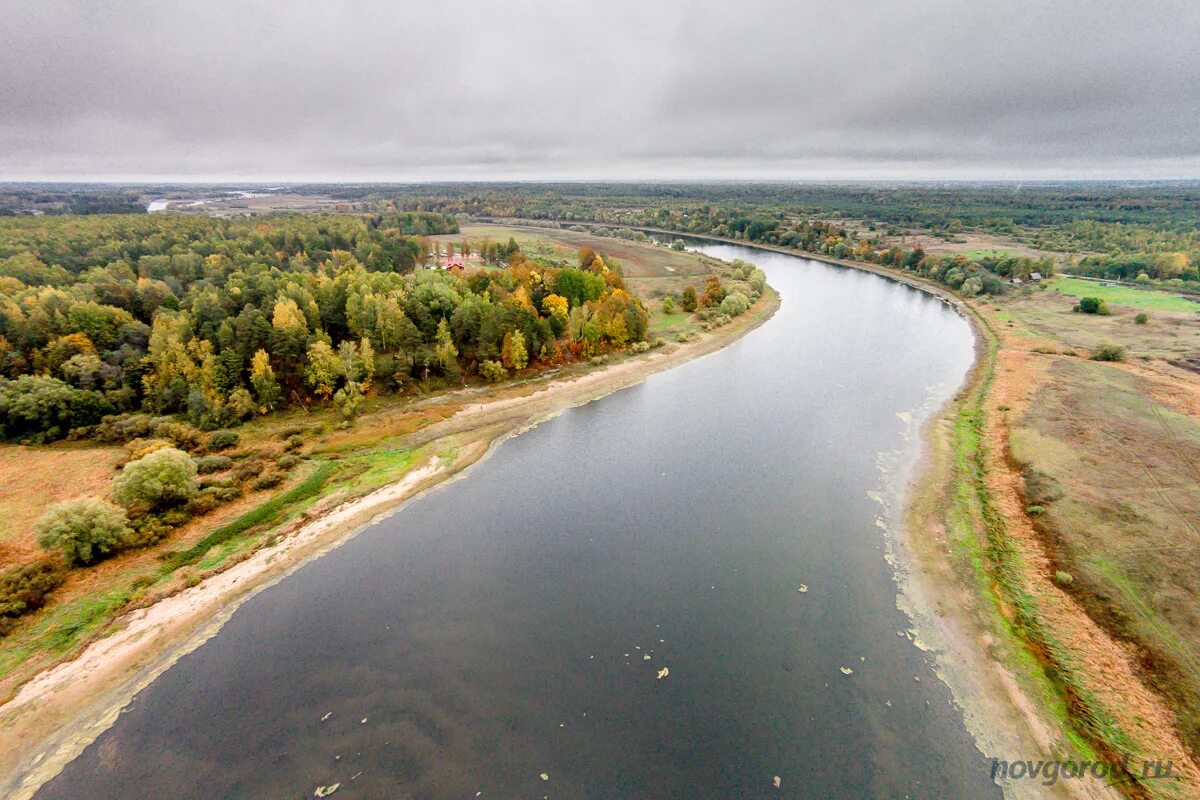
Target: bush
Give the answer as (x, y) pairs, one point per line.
(689, 301)
(294, 442)
(288, 460)
(24, 588)
(164, 478)
(222, 440)
(492, 371)
(290, 431)
(209, 498)
(735, 304)
(268, 479)
(183, 435)
(1092, 305)
(1063, 578)
(207, 464)
(1141, 319)
(1108, 352)
(84, 530)
(668, 305)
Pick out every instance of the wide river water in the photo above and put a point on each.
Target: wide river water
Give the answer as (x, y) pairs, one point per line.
(504, 634)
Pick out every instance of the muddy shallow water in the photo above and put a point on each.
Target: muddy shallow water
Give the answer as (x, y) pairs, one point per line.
(513, 624)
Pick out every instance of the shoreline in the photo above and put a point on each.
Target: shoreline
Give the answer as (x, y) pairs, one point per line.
(997, 674)
(60, 711)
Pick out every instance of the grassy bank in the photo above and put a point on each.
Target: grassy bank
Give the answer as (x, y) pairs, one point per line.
(1049, 669)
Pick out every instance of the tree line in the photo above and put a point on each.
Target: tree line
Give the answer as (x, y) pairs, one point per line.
(220, 320)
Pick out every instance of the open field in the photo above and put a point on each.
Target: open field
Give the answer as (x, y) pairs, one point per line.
(1130, 296)
(1092, 473)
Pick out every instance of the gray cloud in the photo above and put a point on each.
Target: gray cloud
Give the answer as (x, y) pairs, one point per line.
(477, 89)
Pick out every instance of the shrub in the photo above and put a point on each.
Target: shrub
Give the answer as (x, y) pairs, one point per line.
(288, 460)
(1063, 578)
(164, 478)
(209, 498)
(123, 429)
(183, 435)
(294, 443)
(24, 588)
(1035, 511)
(668, 305)
(137, 448)
(291, 430)
(689, 301)
(1141, 319)
(207, 464)
(1108, 352)
(84, 530)
(735, 304)
(1092, 305)
(268, 479)
(492, 371)
(222, 440)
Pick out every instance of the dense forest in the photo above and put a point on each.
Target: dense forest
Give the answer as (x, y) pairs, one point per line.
(1118, 229)
(220, 320)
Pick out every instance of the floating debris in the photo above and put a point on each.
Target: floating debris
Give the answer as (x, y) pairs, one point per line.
(803, 589)
(364, 721)
(664, 672)
(846, 670)
(778, 781)
(325, 791)
(645, 658)
(544, 776)
(327, 716)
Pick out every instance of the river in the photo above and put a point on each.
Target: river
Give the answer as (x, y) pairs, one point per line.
(504, 634)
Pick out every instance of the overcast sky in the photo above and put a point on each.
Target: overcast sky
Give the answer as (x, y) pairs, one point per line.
(281, 90)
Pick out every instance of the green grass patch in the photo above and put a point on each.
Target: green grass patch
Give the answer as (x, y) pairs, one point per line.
(1130, 296)
(367, 470)
(65, 626)
(269, 512)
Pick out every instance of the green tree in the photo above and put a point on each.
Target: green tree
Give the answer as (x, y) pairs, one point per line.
(262, 379)
(84, 530)
(689, 299)
(324, 368)
(161, 479)
(444, 351)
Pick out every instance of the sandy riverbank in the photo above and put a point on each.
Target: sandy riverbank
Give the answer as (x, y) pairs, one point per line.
(63, 709)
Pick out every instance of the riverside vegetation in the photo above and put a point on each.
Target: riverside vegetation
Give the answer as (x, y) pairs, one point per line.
(236, 373)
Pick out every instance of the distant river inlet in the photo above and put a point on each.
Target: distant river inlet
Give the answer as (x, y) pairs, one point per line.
(680, 590)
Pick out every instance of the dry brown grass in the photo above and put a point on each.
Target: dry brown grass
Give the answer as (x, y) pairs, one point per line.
(32, 478)
(1108, 458)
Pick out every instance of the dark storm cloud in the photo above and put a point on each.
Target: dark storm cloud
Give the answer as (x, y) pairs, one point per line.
(531, 88)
